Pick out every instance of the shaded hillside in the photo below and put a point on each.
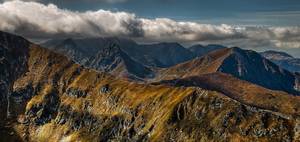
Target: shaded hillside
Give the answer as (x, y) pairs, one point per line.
(13, 57)
(112, 59)
(243, 64)
(283, 60)
(55, 99)
(201, 50)
(106, 56)
(167, 54)
(154, 55)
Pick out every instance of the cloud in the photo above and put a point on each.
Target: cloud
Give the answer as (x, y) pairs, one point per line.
(36, 20)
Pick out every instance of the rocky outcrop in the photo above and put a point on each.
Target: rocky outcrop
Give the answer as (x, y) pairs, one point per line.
(13, 57)
(44, 111)
(113, 60)
(74, 92)
(208, 118)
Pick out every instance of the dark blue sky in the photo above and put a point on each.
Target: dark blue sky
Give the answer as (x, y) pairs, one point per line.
(246, 12)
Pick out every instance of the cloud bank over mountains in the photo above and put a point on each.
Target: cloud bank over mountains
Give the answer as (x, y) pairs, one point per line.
(36, 20)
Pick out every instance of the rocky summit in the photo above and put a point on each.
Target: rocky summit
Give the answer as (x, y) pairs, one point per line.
(46, 97)
(243, 64)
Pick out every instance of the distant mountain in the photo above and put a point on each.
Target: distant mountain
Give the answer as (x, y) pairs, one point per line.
(112, 59)
(80, 49)
(154, 55)
(101, 54)
(201, 50)
(166, 54)
(243, 64)
(283, 60)
(276, 55)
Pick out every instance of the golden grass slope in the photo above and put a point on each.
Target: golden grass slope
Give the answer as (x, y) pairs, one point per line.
(129, 111)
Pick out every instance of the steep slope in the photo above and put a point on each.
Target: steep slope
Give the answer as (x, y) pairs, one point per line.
(102, 54)
(112, 59)
(13, 57)
(237, 89)
(283, 60)
(201, 50)
(81, 49)
(54, 99)
(154, 55)
(243, 64)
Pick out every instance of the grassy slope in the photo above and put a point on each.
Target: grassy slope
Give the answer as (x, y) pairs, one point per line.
(132, 111)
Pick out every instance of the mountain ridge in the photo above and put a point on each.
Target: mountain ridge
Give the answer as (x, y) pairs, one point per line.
(55, 99)
(153, 55)
(108, 57)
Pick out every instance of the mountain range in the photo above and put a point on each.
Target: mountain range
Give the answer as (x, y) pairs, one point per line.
(154, 55)
(228, 94)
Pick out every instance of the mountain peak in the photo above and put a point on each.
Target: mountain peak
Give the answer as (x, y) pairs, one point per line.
(236, 49)
(113, 59)
(240, 50)
(243, 64)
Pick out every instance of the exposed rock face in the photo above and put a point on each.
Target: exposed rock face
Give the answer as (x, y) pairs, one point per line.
(283, 60)
(70, 103)
(250, 66)
(43, 112)
(220, 119)
(103, 55)
(154, 55)
(243, 64)
(13, 57)
(113, 59)
(76, 92)
(105, 89)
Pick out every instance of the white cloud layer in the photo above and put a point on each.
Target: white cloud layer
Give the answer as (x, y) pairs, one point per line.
(36, 20)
